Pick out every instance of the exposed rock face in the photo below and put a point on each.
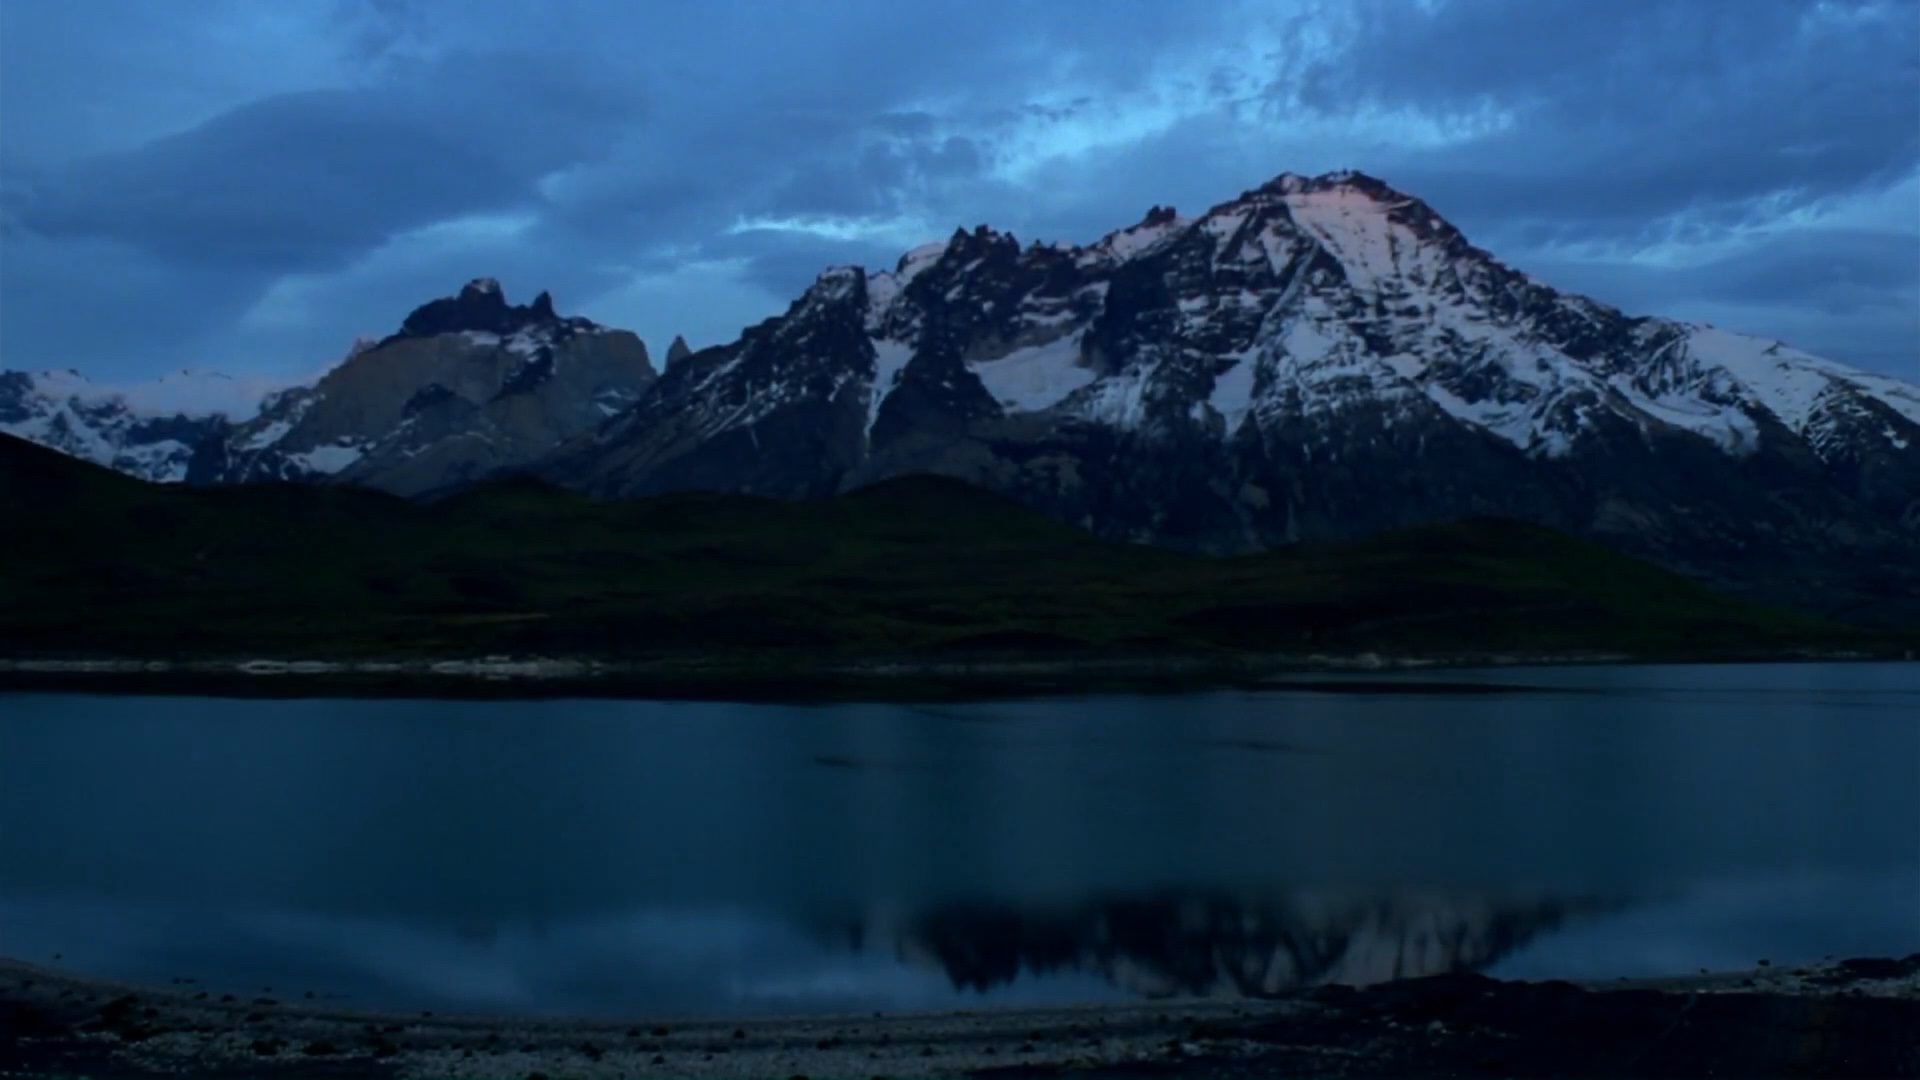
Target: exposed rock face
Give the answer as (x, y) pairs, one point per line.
(468, 386)
(1318, 359)
(151, 440)
(678, 351)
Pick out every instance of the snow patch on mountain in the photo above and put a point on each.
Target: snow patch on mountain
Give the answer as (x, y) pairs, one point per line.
(146, 429)
(1414, 319)
(916, 261)
(1233, 388)
(1136, 240)
(1732, 429)
(187, 392)
(890, 358)
(1120, 400)
(1035, 377)
(65, 425)
(1354, 228)
(1790, 383)
(328, 460)
(266, 436)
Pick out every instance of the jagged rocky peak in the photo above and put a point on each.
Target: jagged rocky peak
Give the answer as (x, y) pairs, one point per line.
(679, 350)
(1291, 183)
(1317, 358)
(920, 258)
(982, 238)
(1351, 191)
(835, 283)
(470, 384)
(1160, 215)
(480, 307)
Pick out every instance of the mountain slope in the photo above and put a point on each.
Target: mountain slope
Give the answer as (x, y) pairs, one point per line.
(916, 567)
(1319, 359)
(153, 439)
(469, 385)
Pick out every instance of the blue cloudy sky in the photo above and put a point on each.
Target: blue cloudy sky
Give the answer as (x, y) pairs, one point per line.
(247, 185)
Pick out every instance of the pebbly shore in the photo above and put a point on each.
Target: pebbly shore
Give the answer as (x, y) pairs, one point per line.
(1848, 1018)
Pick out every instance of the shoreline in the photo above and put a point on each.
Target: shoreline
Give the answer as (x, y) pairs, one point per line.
(1865, 1014)
(825, 678)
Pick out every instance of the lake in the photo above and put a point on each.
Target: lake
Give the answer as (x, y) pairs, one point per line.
(610, 857)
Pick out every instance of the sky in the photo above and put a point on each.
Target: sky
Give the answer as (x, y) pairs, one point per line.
(247, 186)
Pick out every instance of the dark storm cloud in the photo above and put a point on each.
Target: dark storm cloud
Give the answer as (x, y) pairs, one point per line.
(1841, 271)
(254, 183)
(785, 263)
(867, 179)
(307, 181)
(1626, 112)
(221, 194)
(1850, 294)
(96, 299)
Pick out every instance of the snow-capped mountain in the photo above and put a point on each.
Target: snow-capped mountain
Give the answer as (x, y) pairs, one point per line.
(1319, 358)
(147, 430)
(469, 384)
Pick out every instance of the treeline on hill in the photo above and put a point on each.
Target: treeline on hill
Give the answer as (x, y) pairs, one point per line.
(94, 563)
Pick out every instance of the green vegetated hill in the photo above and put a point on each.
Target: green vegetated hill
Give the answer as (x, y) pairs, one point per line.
(94, 563)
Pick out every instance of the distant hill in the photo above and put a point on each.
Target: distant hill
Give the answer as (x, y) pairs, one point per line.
(96, 563)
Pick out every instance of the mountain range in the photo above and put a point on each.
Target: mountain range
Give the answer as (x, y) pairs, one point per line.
(468, 385)
(1319, 359)
(113, 426)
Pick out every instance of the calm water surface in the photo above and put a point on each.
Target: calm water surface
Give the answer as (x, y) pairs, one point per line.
(695, 858)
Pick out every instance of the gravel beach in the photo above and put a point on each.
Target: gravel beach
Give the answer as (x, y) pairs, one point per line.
(1849, 1018)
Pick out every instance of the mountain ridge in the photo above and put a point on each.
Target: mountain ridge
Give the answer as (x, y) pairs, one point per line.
(1317, 359)
(468, 384)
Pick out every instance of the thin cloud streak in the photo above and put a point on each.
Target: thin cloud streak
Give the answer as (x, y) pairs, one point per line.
(319, 167)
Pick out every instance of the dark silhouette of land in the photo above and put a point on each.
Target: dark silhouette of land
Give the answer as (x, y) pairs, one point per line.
(918, 570)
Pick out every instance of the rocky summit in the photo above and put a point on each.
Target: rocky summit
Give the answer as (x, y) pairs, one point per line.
(1318, 359)
(470, 385)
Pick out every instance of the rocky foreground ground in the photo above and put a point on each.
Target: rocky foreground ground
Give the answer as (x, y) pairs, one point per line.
(1852, 1018)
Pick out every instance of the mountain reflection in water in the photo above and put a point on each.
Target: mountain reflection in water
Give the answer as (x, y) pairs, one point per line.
(633, 857)
(1200, 944)
(733, 962)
